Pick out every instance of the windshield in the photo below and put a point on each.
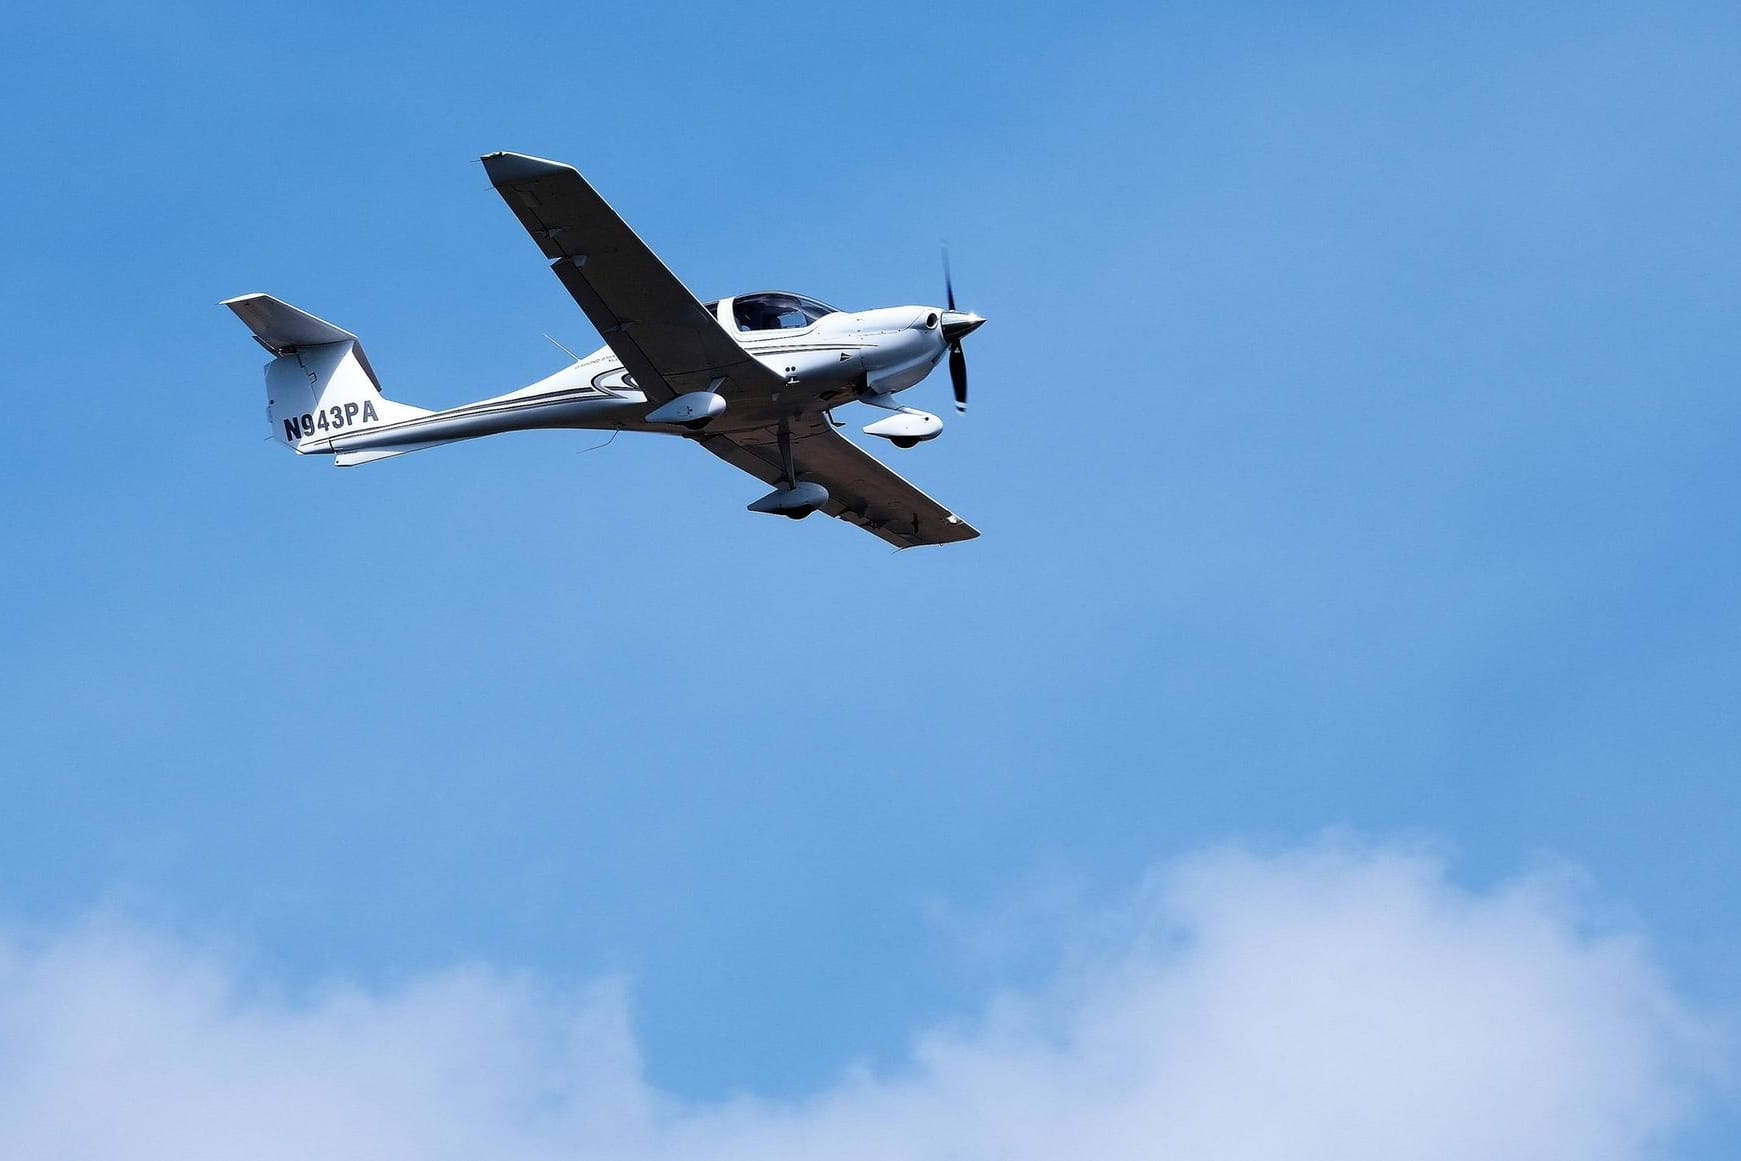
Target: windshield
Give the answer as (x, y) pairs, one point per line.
(777, 312)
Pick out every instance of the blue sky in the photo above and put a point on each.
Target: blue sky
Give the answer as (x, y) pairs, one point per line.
(1354, 443)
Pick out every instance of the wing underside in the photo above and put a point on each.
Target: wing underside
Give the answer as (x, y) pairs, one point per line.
(861, 490)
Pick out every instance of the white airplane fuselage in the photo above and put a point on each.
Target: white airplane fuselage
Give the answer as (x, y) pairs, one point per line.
(838, 358)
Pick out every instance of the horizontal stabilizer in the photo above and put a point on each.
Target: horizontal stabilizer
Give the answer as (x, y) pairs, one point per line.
(350, 459)
(281, 328)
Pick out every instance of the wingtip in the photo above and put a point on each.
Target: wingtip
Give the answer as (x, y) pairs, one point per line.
(504, 167)
(251, 307)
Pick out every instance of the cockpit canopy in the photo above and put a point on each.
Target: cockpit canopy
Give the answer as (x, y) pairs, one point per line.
(777, 312)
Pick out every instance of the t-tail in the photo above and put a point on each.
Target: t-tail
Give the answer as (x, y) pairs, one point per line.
(319, 385)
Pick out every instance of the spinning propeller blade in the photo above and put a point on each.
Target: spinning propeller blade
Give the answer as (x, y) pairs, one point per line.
(957, 357)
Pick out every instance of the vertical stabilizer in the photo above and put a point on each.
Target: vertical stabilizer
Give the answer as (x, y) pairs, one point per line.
(319, 384)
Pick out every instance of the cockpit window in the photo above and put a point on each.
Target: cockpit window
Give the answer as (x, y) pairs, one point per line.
(777, 312)
(712, 308)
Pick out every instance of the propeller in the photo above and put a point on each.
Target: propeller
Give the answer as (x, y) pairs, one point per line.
(956, 326)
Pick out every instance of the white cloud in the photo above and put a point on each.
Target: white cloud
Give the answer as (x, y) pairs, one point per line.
(1333, 1002)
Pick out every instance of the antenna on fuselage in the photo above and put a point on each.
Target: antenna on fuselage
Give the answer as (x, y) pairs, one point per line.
(563, 349)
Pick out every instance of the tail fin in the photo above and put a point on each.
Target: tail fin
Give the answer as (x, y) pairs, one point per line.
(319, 383)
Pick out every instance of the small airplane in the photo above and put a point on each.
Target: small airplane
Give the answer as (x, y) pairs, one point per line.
(753, 379)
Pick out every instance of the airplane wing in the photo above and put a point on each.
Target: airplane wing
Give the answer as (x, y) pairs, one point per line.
(861, 490)
(663, 335)
(670, 344)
